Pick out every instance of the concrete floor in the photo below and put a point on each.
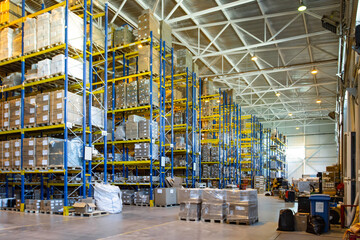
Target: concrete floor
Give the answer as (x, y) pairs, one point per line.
(149, 223)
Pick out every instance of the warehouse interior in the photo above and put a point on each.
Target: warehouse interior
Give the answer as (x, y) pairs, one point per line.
(180, 119)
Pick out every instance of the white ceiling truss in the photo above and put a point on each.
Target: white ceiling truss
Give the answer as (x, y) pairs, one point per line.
(223, 35)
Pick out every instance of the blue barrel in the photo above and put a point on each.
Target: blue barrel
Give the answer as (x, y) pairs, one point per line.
(320, 205)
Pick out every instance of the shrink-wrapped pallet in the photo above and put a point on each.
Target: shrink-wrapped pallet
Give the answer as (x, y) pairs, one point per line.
(142, 150)
(13, 79)
(44, 68)
(165, 33)
(75, 28)
(6, 43)
(30, 35)
(184, 60)
(144, 92)
(120, 94)
(75, 67)
(131, 94)
(74, 108)
(17, 42)
(123, 35)
(147, 23)
(144, 60)
(144, 129)
(43, 30)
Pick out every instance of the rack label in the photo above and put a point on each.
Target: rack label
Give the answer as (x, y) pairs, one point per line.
(7, 145)
(31, 162)
(45, 97)
(7, 154)
(17, 144)
(59, 105)
(31, 152)
(32, 120)
(88, 153)
(32, 101)
(46, 108)
(45, 118)
(59, 116)
(32, 110)
(159, 191)
(31, 143)
(44, 162)
(17, 153)
(45, 142)
(44, 152)
(17, 163)
(319, 207)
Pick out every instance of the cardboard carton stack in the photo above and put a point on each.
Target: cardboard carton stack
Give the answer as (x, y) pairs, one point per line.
(260, 184)
(30, 35)
(214, 206)
(144, 92)
(52, 205)
(190, 203)
(7, 163)
(74, 108)
(15, 111)
(15, 146)
(32, 204)
(120, 95)
(6, 43)
(184, 60)
(165, 33)
(127, 197)
(42, 152)
(30, 111)
(144, 60)
(242, 205)
(330, 178)
(123, 35)
(17, 37)
(144, 129)
(5, 115)
(29, 152)
(165, 196)
(43, 109)
(180, 143)
(44, 68)
(13, 79)
(43, 30)
(75, 67)
(206, 153)
(131, 94)
(142, 151)
(147, 23)
(142, 197)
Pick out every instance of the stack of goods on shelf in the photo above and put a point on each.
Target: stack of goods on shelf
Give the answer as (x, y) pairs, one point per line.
(9, 11)
(74, 108)
(184, 61)
(179, 161)
(15, 111)
(128, 197)
(52, 205)
(43, 30)
(165, 196)
(142, 197)
(214, 206)
(30, 35)
(98, 37)
(260, 184)
(147, 23)
(206, 153)
(207, 87)
(29, 153)
(132, 127)
(144, 92)
(165, 33)
(210, 171)
(123, 35)
(15, 146)
(33, 204)
(142, 151)
(120, 96)
(13, 79)
(243, 206)
(6, 43)
(190, 203)
(330, 179)
(131, 94)
(144, 60)
(30, 112)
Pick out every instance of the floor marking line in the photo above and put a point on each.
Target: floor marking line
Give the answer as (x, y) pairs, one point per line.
(138, 230)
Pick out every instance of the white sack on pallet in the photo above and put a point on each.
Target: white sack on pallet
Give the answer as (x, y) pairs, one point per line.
(108, 198)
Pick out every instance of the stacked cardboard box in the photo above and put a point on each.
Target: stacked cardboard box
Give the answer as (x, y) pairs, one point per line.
(144, 60)
(15, 146)
(131, 94)
(17, 37)
(52, 205)
(29, 152)
(98, 36)
(127, 197)
(144, 129)
(30, 111)
(7, 163)
(142, 151)
(165, 196)
(180, 142)
(9, 11)
(214, 206)
(43, 109)
(75, 67)
(44, 68)
(6, 43)
(207, 108)
(184, 60)
(179, 161)
(206, 152)
(190, 203)
(144, 92)
(43, 30)
(165, 33)
(15, 111)
(120, 93)
(32, 204)
(74, 108)
(30, 35)
(75, 28)
(243, 205)
(123, 35)
(42, 152)
(147, 23)
(260, 184)
(142, 197)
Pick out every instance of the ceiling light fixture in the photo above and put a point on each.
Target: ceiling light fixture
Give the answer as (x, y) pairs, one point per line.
(254, 58)
(277, 94)
(140, 46)
(314, 71)
(318, 101)
(290, 114)
(297, 128)
(302, 7)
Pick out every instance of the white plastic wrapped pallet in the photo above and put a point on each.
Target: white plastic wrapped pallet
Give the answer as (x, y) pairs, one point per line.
(108, 198)
(75, 28)
(6, 43)
(75, 68)
(43, 30)
(30, 35)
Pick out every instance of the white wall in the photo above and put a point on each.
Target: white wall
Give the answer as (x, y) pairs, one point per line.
(310, 148)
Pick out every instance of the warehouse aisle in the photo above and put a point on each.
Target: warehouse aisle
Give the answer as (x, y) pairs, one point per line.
(147, 223)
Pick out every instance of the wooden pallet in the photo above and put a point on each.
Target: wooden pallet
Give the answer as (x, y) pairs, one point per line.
(93, 214)
(189, 219)
(31, 211)
(51, 212)
(12, 209)
(141, 158)
(164, 206)
(142, 204)
(242, 221)
(213, 220)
